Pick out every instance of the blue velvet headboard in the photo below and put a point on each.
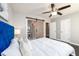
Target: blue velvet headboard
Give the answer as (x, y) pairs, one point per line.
(6, 35)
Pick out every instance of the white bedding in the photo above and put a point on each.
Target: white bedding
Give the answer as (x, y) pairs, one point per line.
(40, 47)
(17, 48)
(48, 47)
(12, 50)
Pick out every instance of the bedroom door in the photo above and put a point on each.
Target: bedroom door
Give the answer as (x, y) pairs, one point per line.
(53, 30)
(65, 29)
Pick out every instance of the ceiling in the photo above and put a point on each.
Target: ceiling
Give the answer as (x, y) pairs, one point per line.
(36, 9)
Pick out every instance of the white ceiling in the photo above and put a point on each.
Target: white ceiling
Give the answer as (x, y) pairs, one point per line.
(36, 9)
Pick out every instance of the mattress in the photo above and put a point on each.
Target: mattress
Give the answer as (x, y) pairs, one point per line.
(49, 47)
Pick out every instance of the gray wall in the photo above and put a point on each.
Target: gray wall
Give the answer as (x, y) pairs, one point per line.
(74, 26)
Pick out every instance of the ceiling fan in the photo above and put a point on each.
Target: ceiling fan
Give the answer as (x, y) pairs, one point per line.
(55, 11)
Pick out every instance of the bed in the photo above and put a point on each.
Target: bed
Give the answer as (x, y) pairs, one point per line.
(39, 47)
(49, 47)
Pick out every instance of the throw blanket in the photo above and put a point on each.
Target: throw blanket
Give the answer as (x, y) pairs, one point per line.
(6, 35)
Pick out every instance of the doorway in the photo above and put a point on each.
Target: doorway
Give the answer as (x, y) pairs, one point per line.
(35, 29)
(47, 30)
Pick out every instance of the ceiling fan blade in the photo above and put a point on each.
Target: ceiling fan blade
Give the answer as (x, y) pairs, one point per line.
(52, 6)
(50, 15)
(64, 7)
(59, 13)
(46, 12)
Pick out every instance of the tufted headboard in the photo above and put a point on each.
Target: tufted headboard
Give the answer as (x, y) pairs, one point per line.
(6, 35)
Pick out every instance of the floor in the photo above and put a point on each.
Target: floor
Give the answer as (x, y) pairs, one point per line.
(76, 49)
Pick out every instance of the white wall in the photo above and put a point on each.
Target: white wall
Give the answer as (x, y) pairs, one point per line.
(10, 15)
(74, 26)
(7, 13)
(19, 22)
(15, 19)
(4, 13)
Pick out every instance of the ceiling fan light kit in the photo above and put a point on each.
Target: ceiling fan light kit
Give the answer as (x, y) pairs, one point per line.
(54, 13)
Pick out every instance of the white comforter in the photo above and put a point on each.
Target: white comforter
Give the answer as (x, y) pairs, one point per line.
(48, 47)
(40, 47)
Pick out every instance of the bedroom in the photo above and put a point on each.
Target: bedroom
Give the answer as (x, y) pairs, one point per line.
(41, 26)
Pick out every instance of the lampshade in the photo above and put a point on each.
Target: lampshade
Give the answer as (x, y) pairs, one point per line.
(17, 31)
(54, 13)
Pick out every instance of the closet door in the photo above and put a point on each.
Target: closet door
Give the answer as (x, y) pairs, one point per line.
(65, 29)
(53, 30)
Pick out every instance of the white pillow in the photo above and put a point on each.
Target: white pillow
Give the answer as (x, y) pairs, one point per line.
(29, 43)
(12, 50)
(24, 47)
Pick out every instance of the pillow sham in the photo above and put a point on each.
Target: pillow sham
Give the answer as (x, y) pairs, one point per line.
(24, 47)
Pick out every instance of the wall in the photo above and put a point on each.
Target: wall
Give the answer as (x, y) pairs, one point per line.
(15, 19)
(7, 13)
(19, 22)
(74, 26)
(10, 15)
(4, 13)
